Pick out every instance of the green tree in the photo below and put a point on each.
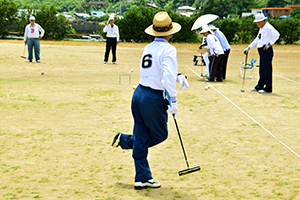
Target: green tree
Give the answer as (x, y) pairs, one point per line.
(276, 3)
(247, 30)
(161, 3)
(134, 22)
(229, 27)
(8, 13)
(289, 29)
(185, 34)
(296, 13)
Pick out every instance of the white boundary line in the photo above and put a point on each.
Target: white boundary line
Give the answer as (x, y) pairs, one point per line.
(248, 115)
(287, 78)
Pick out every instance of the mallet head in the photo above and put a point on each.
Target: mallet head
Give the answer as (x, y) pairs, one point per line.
(189, 170)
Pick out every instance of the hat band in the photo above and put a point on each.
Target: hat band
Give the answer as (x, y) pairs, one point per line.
(163, 29)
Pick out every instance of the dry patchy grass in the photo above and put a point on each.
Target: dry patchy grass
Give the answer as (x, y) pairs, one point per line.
(56, 129)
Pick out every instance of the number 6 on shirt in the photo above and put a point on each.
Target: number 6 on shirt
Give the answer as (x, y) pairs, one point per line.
(147, 62)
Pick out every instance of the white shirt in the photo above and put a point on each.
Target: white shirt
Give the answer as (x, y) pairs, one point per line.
(159, 68)
(266, 34)
(33, 31)
(112, 32)
(223, 40)
(214, 44)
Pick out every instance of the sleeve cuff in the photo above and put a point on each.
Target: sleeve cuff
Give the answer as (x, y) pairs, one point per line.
(173, 99)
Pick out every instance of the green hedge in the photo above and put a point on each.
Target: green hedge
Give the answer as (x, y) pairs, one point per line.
(8, 14)
(238, 31)
(289, 29)
(244, 30)
(134, 22)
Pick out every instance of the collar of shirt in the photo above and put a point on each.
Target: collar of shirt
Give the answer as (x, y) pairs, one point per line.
(160, 40)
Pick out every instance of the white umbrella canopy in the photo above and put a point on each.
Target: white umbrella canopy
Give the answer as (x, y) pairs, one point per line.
(204, 20)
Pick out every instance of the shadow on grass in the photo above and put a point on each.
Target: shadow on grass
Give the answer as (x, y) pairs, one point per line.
(162, 193)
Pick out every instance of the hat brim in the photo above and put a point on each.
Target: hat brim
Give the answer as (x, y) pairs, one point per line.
(176, 27)
(260, 20)
(206, 30)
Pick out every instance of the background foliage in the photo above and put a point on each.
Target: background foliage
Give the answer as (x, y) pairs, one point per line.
(223, 8)
(8, 13)
(138, 18)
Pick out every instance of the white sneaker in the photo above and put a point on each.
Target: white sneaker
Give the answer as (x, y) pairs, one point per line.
(114, 62)
(262, 91)
(254, 90)
(38, 61)
(28, 60)
(104, 62)
(116, 140)
(150, 183)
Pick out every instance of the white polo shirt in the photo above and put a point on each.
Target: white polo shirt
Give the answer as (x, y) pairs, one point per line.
(214, 44)
(266, 34)
(112, 32)
(33, 31)
(159, 68)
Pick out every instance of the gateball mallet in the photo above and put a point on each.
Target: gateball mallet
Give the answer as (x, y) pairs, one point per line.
(24, 53)
(242, 90)
(188, 170)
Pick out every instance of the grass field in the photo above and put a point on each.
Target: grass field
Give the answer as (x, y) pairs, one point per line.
(56, 129)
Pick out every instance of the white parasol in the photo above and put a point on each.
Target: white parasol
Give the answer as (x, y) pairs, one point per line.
(204, 20)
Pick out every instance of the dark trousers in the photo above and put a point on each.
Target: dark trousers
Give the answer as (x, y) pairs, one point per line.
(149, 110)
(265, 69)
(224, 63)
(111, 43)
(215, 67)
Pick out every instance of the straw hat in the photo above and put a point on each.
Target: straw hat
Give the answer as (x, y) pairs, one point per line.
(162, 25)
(259, 17)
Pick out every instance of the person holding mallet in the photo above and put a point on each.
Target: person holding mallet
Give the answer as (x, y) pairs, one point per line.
(266, 37)
(158, 72)
(32, 36)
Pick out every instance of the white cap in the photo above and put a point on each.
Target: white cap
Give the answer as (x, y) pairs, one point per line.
(31, 18)
(205, 29)
(259, 17)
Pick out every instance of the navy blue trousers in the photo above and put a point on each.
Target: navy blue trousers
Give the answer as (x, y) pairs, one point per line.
(215, 67)
(149, 110)
(224, 63)
(265, 69)
(111, 43)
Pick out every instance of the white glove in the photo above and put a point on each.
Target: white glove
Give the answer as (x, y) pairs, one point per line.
(182, 81)
(246, 50)
(173, 109)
